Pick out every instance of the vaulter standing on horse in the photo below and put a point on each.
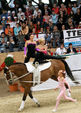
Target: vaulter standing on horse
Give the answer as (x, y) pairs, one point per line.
(29, 49)
(38, 52)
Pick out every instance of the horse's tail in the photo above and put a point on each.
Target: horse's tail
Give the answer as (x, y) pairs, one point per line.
(68, 71)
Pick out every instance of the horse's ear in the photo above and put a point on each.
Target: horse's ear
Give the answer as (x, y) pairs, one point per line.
(6, 69)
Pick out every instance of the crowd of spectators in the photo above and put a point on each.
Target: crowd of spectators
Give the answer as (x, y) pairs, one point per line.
(42, 22)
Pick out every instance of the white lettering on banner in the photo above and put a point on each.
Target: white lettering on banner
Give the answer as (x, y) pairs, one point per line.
(72, 36)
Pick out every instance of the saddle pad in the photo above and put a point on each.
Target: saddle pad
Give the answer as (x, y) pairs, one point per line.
(41, 67)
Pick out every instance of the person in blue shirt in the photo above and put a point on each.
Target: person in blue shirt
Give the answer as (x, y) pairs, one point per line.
(74, 8)
(17, 29)
(54, 18)
(3, 42)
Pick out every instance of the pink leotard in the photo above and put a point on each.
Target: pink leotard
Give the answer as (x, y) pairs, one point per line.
(62, 92)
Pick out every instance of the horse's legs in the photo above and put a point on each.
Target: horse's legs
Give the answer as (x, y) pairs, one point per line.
(34, 99)
(23, 100)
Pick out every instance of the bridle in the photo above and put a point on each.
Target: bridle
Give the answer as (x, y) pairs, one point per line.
(12, 79)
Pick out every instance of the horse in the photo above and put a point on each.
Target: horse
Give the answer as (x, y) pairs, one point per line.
(20, 71)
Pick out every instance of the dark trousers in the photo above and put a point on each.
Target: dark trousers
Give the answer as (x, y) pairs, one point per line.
(41, 57)
(28, 57)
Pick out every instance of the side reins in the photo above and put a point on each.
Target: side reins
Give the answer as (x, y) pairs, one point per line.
(15, 79)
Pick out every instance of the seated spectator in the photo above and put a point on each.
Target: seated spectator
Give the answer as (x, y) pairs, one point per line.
(33, 19)
(36, 11)
(8, 29)
(16, 20)
(74, 8)
(71, 15)
(55, 37)
(22, 17)
(51, 25)
(69, 23)
(63, 16)
(20, 13)
(39, 18)
(61, 50)
(3, 22)
(10, 42)
(16, 32)
(71, 49)
(48, 37)
(60, 23)
(63, 9)
(46, 9)
(24, 28)
(35, 34)
(54, 18)
(31, 26)
(69, 9)
(1, 29)
(41, 33)
(77, 17)
(79, 26)
(46, 17)
(9, 20)
(32, 8)
(38, 27)
(13, 15)
(8, 13)
(17, 29)
(21, 42)
(4, 14)
(61, 33)
(28, 12)
(55, 8)
(3, 42)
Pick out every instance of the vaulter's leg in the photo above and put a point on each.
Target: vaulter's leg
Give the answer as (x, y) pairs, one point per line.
(34, 99)
(23, 100)
(68, 92)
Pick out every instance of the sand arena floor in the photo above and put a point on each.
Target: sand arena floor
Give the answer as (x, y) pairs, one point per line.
(10, 102)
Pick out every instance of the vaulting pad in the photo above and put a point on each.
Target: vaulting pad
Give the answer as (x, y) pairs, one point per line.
(42, 67)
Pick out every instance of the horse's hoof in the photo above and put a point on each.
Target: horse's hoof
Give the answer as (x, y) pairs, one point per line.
(19, 110)
(38, 105)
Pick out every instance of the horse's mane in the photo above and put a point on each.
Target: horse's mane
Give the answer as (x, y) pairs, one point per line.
(17, 63)
(6, 69)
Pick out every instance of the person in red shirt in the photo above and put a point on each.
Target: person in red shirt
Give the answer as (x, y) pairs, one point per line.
(9, 60)
(69, 9)
(55, 9)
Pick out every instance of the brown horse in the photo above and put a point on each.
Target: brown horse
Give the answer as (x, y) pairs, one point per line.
(19, 69)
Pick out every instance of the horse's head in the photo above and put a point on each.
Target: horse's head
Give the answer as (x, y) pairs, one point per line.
(8, 75)
(15, 72)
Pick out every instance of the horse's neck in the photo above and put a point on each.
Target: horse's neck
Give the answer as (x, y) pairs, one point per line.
(18, 70)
